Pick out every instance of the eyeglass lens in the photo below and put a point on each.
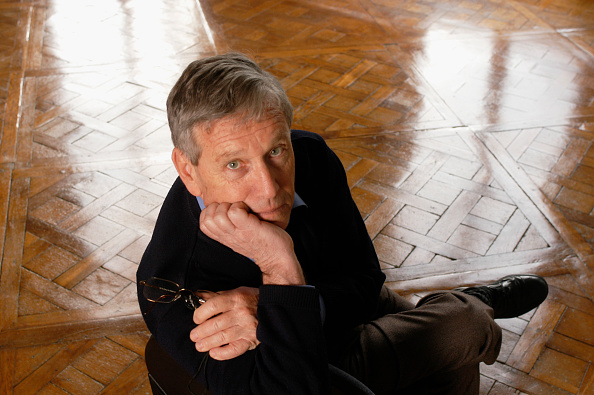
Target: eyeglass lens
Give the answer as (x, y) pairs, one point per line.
(160, 290)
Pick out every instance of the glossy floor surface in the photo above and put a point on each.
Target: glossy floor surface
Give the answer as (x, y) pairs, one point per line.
(466, 128)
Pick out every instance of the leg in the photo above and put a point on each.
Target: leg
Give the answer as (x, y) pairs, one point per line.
(439, 344)
(465, 380)
(167, 376)
(390, 302)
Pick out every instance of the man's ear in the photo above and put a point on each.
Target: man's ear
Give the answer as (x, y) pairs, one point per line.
(186, 171)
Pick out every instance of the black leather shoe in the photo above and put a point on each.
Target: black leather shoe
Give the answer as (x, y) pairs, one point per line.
(511, 296)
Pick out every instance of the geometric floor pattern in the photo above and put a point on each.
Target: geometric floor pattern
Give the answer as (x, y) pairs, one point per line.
(466, 129)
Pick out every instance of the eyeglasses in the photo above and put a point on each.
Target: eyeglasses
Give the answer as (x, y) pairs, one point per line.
(159, 290)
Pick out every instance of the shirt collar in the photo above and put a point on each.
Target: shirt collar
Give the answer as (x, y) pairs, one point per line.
(297, 202)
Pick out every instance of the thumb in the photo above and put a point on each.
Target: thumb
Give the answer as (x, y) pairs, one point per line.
(240, 215)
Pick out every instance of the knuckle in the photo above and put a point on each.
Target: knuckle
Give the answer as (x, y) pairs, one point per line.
(216, 325)
(212, 305)
(238, 300)
(218, 222)
(222, 337)
(239, 349)
(245, 311)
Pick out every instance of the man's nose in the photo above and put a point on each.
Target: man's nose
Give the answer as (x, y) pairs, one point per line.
(265, 182)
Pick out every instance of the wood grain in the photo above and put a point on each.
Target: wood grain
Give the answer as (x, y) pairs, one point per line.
(466, 130)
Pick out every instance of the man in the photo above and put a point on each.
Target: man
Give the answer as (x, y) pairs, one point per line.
(262, 217)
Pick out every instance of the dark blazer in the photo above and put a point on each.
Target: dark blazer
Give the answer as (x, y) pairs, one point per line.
(337, 257)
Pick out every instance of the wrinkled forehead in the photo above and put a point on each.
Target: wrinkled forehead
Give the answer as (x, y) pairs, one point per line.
(239, 124)
(235, 137)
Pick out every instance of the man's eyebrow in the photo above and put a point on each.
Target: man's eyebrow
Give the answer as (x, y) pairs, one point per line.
(231, 153)
(228, 153)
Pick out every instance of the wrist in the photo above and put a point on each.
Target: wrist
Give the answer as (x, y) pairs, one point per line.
(288, 278)
(280, 265)
(283, 272)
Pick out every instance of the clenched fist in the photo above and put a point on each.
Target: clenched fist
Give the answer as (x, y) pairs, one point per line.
(271, 248)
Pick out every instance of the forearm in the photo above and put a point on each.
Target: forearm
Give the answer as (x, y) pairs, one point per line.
(285, 271)
(291, 357)
(349, 300)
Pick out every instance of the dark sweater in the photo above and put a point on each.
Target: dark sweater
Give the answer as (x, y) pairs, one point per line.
(337, 257)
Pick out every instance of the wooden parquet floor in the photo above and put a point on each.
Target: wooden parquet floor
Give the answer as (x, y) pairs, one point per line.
(466, 128)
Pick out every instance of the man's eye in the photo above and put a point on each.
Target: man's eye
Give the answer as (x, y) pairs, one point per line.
(276, 152)
(233, 165)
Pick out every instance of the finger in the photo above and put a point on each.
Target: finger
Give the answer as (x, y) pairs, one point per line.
(206, 295)
(229, 307)
(211, 326)
(232, 350)
(241, 217)
(221, 218)
(222, 302)
(212, 307)
(206, 217)
(238, 212)
(242, 206)
(218, 339)
(209, 210)
(232, 335)
(214, 219)
(241, 322)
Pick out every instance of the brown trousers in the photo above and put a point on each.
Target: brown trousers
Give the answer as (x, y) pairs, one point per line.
(433, 348)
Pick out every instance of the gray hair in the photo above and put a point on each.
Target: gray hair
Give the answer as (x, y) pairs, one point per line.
(217, 87)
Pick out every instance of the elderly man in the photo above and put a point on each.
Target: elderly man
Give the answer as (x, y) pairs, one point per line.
(262, 219)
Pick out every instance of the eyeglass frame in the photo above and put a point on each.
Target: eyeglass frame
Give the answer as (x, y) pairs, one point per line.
(191, 300)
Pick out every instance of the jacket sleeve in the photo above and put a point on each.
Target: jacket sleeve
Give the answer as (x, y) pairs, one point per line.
(291, 358)
(345, 268)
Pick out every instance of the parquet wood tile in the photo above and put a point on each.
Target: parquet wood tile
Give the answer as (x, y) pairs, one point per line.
(536, 80)
(465, 128)
(345, 94)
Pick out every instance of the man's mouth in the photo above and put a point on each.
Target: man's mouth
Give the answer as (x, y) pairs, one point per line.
(274, 214)
(269, 212)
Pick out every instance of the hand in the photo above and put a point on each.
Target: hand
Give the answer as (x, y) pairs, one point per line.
(226, 323)
(268, 245)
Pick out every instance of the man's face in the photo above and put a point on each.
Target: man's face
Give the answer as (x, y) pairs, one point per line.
(251, 162)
